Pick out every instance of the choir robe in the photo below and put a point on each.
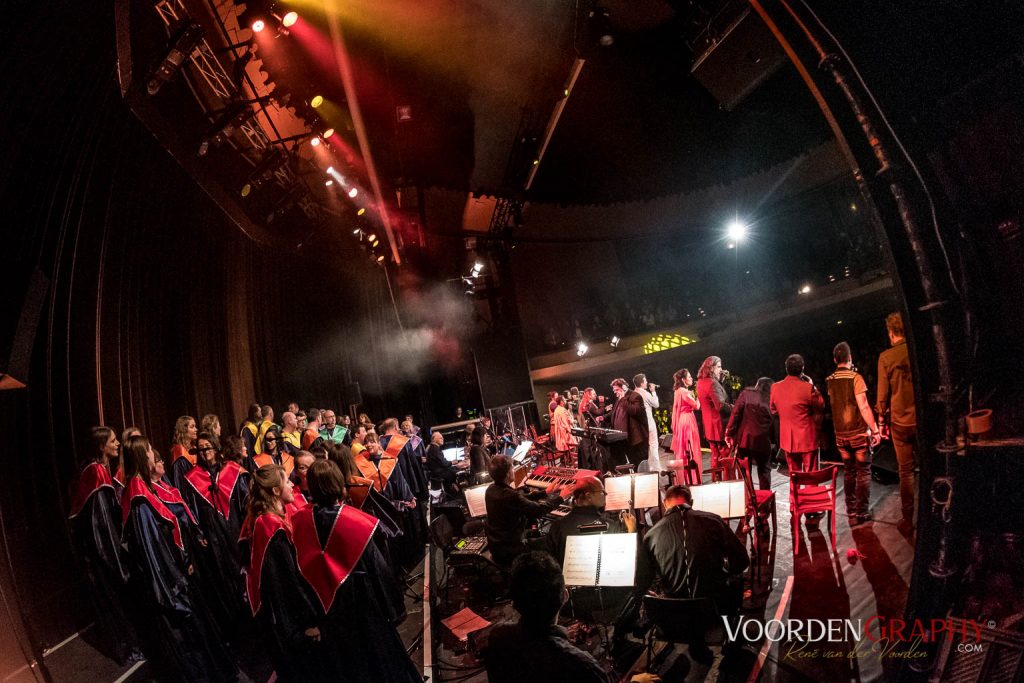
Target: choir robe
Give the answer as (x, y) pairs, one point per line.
(220, 513)
(282, 458)
(95, 518)
(385, 473)
(403, 448)
(348, 576)
(282, 602)
(181, 641)
(181, 462)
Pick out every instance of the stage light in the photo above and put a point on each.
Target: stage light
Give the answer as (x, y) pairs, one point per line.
(258, 25)
(330, 169)
(806, 289)
(581, 349)
(183, 43)
(353, 192)
(736, 230)
(315, 141)
(316, 101)
(246, 189)
(477, 267)
(615, 342)
(329, 183)
(361, 211)
(731, 245)
(375, 243)
(380, 259)
(372, 236)
(290, 19)
(358, 232)
(328, 133)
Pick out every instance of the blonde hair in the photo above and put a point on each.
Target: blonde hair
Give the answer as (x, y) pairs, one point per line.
(181, 430)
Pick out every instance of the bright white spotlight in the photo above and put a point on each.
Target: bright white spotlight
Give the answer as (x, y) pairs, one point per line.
(329, 183)
(353, 192)
(330, 169)
(806, 289)
(736, 230)
(290, 19)
(581, 349)
(315, 141)
(614, 342)
(258, 25)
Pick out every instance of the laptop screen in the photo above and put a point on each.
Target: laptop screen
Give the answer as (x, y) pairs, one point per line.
(452, 454)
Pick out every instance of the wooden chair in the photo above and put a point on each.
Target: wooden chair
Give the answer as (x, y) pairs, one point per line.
(809, 492)
(760, 503)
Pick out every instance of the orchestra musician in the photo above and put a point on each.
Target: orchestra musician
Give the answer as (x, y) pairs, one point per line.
(588, 508)
(509, 511)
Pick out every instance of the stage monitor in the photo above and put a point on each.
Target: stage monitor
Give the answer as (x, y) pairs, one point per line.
(522, 451)
(452, 454)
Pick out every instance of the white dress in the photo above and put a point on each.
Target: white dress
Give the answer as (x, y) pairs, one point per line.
(650, 403)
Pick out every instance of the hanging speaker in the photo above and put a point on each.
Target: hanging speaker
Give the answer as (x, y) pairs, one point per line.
(14, 373)
(738, 59)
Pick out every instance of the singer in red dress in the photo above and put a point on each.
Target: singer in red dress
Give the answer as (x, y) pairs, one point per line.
(685, 435)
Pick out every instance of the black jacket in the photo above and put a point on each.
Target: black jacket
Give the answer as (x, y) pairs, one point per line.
(508, 513)
(630, 416)
(709, 543)
(437, 466)
(551, 656)
(750, 424)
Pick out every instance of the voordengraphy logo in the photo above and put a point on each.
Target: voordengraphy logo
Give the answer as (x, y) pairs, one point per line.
(882, 636)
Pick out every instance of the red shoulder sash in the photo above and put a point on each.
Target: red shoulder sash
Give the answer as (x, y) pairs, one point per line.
(297, 504)
(263, 531)
(169, 494)
(326, 568)
(200, 480)
(180, 451)
(92, 478)
(136, 489)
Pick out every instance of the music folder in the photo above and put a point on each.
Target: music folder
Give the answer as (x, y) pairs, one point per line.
(642, 489)
(600, 560)
(475, 500)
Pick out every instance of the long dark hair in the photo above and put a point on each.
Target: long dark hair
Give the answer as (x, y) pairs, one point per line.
(326, 483)
(678, 377)
(136, 460)
(763, 386)
(98, 437)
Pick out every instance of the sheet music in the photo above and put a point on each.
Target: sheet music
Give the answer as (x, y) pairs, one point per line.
(616, 493)
(645, 490)
(725, 498)
(579, 567)
(600, 560)
(475, 500)
(618, 560)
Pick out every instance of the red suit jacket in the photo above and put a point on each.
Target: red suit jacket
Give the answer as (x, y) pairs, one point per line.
(798, 404)
(713, 401)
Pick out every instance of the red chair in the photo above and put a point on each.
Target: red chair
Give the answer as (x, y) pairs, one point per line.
(812, 492)
(683, 472)
(760, 503)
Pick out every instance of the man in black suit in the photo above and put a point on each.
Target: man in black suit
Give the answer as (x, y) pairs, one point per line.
(630, 416)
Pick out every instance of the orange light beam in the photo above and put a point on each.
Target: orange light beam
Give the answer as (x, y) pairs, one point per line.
(348, 82)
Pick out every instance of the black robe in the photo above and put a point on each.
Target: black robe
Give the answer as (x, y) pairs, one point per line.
(181, 641)
(96, 531)
(361, 643)
(220, 564)
(286, 609)
(407, 548)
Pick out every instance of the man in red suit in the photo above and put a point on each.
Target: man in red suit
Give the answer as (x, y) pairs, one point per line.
(798, 404)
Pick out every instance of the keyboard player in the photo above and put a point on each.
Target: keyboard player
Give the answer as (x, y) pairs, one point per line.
(588, 509)
(510, 511)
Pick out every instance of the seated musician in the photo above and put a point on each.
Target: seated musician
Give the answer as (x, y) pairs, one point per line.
(693, 554)
(509, 511)
(538, 593)
(588, 508)
(438, 467)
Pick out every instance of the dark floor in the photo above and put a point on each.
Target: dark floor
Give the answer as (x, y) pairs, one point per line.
(815, 584)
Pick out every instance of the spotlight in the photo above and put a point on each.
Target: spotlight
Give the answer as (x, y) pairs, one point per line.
(328, 133)
(329, 183)
(372, 236)
(806, 289)
(614, 342)
(316, 101)
(361, 211)
(258, 25)
(375, 243)
(581, 349)
(731, 245)
(330, 169)
(736, 230)
(315, 141)
(290, 19)
(246, 189)
(353, 192)
(358, 232)
(183, 44)
(380, 259)
(477, 267)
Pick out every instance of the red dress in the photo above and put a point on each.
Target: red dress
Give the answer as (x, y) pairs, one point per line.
(685, 436)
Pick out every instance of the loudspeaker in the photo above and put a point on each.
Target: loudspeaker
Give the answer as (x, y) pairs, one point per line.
(502, 369)
(14, 373)
(738, 60)
(352, 395)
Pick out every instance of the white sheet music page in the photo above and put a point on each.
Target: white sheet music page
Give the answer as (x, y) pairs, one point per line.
(579, 566)
(618, 560)
(475, 500)
(645, 490)
(711, 498)
(617, 493)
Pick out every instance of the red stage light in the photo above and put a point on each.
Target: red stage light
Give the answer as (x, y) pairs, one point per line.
(258, 25)
(290, 19)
